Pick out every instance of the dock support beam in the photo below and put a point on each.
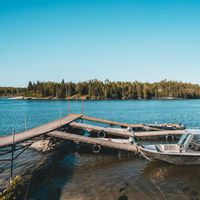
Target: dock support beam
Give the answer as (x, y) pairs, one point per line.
(68, 106)
(25, 123)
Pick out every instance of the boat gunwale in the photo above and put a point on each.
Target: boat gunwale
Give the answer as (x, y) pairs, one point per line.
(169, 153)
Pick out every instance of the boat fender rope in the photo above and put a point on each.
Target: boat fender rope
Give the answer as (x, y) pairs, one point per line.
(137, 149)
(140, 152)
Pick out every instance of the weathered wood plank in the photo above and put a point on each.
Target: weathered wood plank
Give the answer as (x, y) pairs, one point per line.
(145, 127)
(111, 131)
(43, 129)
(123, 132)
(89, 140)
(112, 122)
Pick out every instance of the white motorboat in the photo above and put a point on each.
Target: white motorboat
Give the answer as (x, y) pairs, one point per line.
(185, 152)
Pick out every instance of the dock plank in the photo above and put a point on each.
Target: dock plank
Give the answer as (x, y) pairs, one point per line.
(89, 140)
(112, 122)
(43, 129)
(123, 132)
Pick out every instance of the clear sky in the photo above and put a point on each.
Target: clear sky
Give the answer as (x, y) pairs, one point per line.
(145, 40)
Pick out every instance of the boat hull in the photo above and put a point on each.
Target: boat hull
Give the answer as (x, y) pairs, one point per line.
(173, 158)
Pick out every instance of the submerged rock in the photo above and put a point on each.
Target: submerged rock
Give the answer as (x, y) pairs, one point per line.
(45, 145)
(41, 145)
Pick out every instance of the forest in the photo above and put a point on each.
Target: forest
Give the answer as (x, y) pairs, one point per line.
(95, 89)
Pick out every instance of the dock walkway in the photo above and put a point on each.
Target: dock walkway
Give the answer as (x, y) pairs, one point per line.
(123, 132)
(62, 127)
(94, 141)
(51, 129)
(35, 132)
(136, 127)
(112, 122)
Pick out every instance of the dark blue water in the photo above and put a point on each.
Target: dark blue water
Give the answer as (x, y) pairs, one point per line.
(68, 174)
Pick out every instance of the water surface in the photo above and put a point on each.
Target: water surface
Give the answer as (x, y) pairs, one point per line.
(71, 174)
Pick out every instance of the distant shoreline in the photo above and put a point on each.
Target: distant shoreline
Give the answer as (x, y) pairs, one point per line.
(103, 90)
(88, 98)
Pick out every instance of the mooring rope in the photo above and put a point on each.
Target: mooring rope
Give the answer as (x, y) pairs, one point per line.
(25, 198)
(140, 152)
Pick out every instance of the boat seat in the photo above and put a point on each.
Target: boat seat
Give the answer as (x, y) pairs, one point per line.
(194, 146)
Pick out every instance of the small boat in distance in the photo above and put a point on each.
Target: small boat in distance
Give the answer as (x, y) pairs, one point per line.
(185, 152)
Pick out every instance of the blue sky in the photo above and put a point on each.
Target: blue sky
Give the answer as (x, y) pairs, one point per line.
(145, 40)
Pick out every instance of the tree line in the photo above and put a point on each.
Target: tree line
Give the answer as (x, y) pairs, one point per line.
(95, 89)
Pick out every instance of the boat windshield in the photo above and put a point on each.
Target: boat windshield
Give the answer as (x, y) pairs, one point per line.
(190, 140)
(183, 138)
(187, 141)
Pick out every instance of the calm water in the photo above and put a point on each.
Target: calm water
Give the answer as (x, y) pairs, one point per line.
(68, 174)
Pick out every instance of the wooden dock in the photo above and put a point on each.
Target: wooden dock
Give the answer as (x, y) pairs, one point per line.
(51, 129)
(112, 122)
(94, 141)
(122, 125)
(69, 120)
(38, 131)
(61, 128)
(123, 132)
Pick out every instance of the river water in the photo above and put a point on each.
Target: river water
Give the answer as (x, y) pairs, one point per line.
(68, 173)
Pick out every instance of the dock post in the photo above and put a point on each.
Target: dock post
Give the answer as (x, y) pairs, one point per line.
(82, 109)
(25, 123)
(68, 107)
(25, 129)
(60, 116)
(82, 106)
(12, 154)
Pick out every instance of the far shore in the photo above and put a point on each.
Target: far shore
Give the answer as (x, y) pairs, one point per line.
(87, 98)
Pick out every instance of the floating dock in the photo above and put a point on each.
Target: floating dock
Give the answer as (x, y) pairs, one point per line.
(66, 129)
(69, 121)
(124, 132)
(112, 123)
(36, 132)
(95, 141)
